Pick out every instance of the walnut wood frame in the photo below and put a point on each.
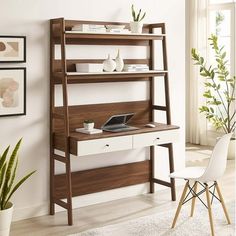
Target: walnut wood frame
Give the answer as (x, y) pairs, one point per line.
(64, 119)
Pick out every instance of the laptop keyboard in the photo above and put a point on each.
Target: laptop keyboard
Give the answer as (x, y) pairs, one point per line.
(118, 129)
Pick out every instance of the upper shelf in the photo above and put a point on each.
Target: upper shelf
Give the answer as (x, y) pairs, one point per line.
(131, 36)
(82, 38)
(76, 77)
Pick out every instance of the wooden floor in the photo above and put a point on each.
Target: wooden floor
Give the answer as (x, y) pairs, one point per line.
(124, 209)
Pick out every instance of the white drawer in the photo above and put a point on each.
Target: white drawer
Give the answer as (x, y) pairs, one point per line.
(104, 145)
(154, 138)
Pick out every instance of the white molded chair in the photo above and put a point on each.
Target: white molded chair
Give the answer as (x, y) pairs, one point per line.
(203, 176)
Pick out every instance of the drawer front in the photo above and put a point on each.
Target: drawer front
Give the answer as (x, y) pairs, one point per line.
(155, 138)
(104, 145)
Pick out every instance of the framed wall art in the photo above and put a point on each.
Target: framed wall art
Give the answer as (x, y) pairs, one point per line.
(12, 91)
(12, 49)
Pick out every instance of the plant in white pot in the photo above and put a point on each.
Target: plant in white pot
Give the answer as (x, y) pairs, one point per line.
(136, 25)
(8, 169)
(219, 92)
(88, 125)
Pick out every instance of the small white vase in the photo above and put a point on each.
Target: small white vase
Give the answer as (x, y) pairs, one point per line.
(136, 27)
(89, 126)
(109, 65)
(5, 220)
(119, 62)
(231, 150)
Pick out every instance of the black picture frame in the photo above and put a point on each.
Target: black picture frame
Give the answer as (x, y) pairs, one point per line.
(18, 93)
(6, 44)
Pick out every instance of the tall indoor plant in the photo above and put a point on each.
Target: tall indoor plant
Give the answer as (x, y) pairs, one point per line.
(8, 168)
(219, 89)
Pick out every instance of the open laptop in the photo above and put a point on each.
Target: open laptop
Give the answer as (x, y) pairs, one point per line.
(118, 123)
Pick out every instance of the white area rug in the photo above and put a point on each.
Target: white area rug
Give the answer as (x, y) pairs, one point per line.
(159, 224)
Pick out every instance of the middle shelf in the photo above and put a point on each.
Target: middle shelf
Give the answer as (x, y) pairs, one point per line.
(77, 77)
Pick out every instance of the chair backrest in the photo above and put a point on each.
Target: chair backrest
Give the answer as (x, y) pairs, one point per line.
(218, 160)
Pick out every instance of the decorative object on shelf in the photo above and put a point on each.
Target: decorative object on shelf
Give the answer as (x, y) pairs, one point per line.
(12, 49)
(117, 29)
(219, 92)
(89, 28)
(136, 67)
(109, 65)
(12, 91)
(136, 25)
(8, 168)
(119, 62)
(88, 125)
(89, 67)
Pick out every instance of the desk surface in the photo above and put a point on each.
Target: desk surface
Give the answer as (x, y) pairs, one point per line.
(142, 129)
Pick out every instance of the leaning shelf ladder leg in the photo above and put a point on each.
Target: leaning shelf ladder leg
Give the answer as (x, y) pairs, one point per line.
(165, 108)
(66, 124)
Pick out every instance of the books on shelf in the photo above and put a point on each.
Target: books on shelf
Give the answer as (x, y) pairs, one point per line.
(119, 31)
(136, 67)
(85, 131)
(89, 28)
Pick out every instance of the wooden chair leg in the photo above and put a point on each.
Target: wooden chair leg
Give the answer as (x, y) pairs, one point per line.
(209, 210)
(223, 203)
(180, 204)
(194, 199)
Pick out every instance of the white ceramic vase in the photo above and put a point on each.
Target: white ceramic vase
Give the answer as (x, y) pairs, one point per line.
(119, 62)
(136, 27)
(5, 220)
(89, 126)
(231, 150)
(109, 65)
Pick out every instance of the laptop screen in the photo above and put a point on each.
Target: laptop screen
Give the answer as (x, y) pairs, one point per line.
(118, 119)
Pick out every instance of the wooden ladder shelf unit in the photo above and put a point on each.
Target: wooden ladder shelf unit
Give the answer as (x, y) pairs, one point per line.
(62, 71)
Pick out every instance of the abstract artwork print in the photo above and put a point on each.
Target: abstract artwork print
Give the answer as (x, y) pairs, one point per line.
(12, 91)
(12, 49)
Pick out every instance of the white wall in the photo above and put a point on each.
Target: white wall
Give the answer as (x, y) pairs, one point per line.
(30, 18)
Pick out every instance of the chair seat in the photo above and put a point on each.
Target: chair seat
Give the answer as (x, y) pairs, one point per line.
(188, 173)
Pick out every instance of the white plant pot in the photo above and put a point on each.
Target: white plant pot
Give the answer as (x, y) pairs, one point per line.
(231, 150)
(5, 220)
(88, 126)
(136, 27)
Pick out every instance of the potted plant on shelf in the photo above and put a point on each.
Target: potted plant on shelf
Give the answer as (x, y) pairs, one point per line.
(219, 91)
(8, 168)
(88, 124)
(136, 25)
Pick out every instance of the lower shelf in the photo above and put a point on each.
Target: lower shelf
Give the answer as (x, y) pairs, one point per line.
(101, 179)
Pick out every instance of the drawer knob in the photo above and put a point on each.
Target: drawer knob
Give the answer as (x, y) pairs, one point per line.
(107, 145)
(157, 138)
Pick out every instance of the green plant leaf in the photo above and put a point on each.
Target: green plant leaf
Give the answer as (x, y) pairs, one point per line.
(12, 178)
(133, 12)
(144, 14)
(137, 19)
(17, 186)
(223, 55)
(3, 157)
(2, 176)
(10, 165)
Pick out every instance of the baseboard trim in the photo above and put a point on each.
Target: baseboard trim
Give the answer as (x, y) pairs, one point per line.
(86, 200)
